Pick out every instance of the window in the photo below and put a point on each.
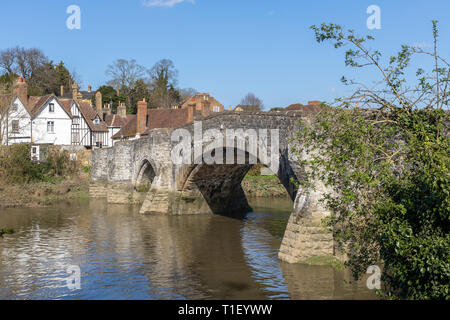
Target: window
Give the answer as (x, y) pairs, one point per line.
(76, 120)
(51, 107)
(50, 126)
(14, 107)
(216, 109)
(15, 126)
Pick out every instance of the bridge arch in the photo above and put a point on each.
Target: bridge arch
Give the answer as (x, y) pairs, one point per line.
(219, 184)
(145, 175)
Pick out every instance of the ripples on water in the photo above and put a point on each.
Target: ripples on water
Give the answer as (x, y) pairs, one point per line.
(124, 255)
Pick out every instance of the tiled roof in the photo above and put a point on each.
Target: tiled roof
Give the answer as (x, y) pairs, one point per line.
(66, 104)
(90, 114)
(295, 107)
(114, 120)
(166, 118)
(129, 130)
(156, 118)
(248, 108)
(35, 103)
(308, 109)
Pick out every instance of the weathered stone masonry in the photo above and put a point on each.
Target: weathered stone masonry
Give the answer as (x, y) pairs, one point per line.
(118, 174)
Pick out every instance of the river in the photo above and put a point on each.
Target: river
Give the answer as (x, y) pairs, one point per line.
(124, 255)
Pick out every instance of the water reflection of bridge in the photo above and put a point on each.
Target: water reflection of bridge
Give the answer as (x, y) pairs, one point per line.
(123, 254)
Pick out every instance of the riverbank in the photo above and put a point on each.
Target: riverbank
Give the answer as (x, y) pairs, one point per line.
(42, 194)
(263, 186)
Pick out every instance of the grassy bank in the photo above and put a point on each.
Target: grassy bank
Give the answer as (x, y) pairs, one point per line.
(38, 194)
(28, 184)
(263, 186)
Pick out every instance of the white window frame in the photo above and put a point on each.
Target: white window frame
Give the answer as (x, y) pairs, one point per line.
(51, 107)
(50, 126)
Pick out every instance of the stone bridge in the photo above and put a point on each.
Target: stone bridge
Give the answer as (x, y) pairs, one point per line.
(143, 171)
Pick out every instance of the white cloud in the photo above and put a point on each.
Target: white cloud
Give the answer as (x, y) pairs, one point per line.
(164, 3)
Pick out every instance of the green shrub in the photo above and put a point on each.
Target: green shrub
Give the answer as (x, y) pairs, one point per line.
(388, 168)
(16, 166)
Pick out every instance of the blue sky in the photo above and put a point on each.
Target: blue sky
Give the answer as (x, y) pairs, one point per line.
(225, 47)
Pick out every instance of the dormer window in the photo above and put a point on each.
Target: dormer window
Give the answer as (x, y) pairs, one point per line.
(96, 120)
(51, 107)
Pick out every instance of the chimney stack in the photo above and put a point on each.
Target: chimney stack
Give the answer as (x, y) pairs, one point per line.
(62, 91)
(190, 117)
(122, 110)
(21, 89)
(314, 103)
(89, 89)
(75, 91)
(98, 102)
(141, 117)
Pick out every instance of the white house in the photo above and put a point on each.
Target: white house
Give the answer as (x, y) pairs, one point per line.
(49, 120)
(39, 120)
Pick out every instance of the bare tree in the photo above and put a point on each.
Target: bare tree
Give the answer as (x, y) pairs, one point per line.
(163, 79)
(28, 61)
(187, 93)
(8, 60)
(163, 73)
(124, 73)
(252, 100)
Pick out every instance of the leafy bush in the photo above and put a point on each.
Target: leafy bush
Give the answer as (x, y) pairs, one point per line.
(16, 166)
(389, 169)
